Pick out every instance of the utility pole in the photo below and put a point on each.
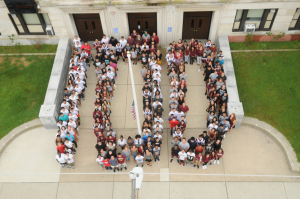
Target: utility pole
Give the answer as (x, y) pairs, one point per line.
(134, 94)
(133, 189)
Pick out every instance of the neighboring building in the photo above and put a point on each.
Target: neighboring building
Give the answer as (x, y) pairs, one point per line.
(171, 20)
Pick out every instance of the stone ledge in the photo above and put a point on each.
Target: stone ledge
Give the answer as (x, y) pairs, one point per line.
(6, 140)
(281, 140)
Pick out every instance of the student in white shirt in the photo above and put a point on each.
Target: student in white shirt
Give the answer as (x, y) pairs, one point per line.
(99, 161)
(158, 119)
(70, 160)
(182, 157)
(122, 142)
(64, 111)
(123, 42)
(105, 40)
(60, 158)
(76, 39)
(80, 83)
(65, 104)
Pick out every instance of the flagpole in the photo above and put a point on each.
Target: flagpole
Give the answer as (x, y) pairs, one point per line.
(134, 94)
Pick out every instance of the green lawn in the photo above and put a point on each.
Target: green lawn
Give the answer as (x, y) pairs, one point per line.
(268, 88)
(24, 81)
(265, 45)
(45, 48)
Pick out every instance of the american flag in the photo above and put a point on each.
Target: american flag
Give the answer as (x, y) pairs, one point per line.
(132, 110)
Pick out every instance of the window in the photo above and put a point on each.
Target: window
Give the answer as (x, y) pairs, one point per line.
(295, 23)
(261, 18)
(30, 24)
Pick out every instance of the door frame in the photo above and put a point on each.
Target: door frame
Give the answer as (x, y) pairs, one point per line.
(211, 16)
(74, 19)
(128, 19)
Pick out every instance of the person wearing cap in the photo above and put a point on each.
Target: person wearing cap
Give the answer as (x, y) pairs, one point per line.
(146, 35)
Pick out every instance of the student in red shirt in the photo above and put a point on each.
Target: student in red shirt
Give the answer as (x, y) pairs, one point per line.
(198, 159)
(130, 40)
(219, 154)
(87, 49)
(213, 48)
(121, 161)
(60, 147)
(155, 38)
(173, 123)
(184, 108)
(111, 138)
(134, 34)
(106, 164)
(205, 160)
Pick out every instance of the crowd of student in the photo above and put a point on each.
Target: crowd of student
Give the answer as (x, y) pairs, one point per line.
(206, 148)
(69, 120)
(140, 148)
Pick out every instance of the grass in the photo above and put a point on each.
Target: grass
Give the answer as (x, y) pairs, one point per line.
(24, 81)
(45, 48)
(265, 45)
(268, 88)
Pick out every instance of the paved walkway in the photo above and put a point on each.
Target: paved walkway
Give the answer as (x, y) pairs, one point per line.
(248, 151)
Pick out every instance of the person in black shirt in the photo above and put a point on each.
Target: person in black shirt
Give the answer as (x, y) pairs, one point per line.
(106, 60)
(159, 110)
(174, 152)
(145, 51)
(99, 146)
(99, 55)
(157, 142)
(144, 60)
(146, 99)
(113, 41)
(97, 63)
(112, 57)
(207, 72)
(192, 143)
(205, 137)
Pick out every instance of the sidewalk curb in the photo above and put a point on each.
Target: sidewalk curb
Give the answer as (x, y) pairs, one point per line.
(13, 134)
(281, 140)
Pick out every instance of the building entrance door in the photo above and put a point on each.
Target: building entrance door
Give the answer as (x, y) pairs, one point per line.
(88, 26)
(141, 22)
(196, 25)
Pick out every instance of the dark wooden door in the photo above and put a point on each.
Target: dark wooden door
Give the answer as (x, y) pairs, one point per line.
(96, 27)
(196, 25)
(88, 26)
(141, 22)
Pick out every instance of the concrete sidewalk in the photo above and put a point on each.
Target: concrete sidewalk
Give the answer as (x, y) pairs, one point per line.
(160, 190)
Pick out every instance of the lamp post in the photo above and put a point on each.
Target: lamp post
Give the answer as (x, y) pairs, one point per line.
(134, 94)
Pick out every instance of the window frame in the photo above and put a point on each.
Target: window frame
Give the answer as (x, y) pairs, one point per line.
(24, 25)
(262, 21)
(297, 25)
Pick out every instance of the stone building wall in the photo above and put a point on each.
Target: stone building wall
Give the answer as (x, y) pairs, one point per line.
(113, 14)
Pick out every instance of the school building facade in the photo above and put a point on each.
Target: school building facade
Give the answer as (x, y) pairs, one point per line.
(50, 20)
